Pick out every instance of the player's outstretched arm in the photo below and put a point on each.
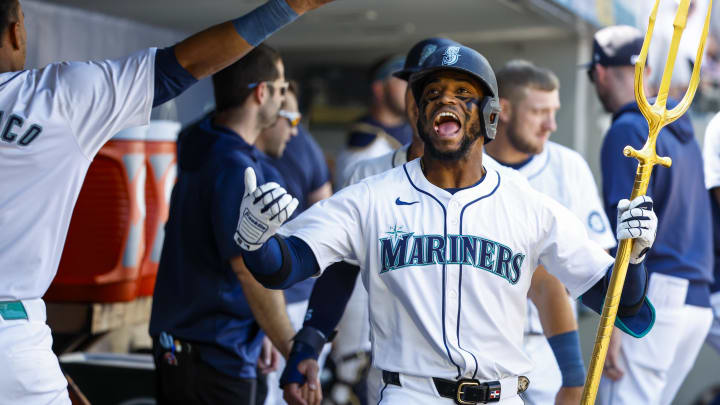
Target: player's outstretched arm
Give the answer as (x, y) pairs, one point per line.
(217, 47)
(636, 220)
(560, 327)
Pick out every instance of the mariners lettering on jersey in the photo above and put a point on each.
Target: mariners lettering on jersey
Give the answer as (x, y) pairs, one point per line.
(11, 131)
(405, 249)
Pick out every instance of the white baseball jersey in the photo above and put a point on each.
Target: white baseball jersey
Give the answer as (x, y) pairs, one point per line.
(348, 158)
(448, 274)
(711, 153)
(54, 120)
(563, 175)
(711, 157)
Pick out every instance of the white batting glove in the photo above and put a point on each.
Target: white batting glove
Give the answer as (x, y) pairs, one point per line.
(262, 211)
(637, 220)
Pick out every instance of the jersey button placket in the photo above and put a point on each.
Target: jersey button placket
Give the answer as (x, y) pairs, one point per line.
(451, 294)
(453, 213)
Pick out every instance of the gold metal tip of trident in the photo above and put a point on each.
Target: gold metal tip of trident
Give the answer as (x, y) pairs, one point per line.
(657, 117)
(658, 111)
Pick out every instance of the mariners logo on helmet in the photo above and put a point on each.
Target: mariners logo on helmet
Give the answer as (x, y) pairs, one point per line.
(427, 51)
(451, 56)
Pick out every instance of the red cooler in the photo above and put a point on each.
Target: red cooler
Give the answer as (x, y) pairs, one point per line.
(162, 173)
(106, 240)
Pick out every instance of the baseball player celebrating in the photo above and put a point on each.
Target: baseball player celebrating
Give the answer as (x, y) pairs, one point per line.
(448, 293)
(524, 81)
(54, 121)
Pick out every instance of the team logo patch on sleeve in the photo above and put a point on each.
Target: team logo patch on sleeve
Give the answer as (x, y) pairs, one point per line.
(405, 249)
(595, 222)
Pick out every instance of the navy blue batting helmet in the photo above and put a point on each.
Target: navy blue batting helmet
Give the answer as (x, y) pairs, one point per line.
(418, 53)
(466, 60)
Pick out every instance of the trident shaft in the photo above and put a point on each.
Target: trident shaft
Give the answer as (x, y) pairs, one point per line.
(657, 116)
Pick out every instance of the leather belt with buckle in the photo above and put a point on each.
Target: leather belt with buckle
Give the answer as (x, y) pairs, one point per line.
(464, 392)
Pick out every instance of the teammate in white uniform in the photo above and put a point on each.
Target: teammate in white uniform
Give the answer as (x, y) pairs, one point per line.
(529, 96)
(711, 157)
(54, 121)
(447, 248)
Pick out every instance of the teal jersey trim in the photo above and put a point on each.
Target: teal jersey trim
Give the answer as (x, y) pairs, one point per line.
(12, 310)
(638, 334)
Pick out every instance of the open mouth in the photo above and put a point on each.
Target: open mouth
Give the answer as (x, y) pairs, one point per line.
(447, 124)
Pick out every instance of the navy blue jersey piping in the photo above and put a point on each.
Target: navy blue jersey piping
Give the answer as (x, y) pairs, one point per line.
(382, 391)
(10, 79)
(547, 162)
(447, 348)
(462, 212)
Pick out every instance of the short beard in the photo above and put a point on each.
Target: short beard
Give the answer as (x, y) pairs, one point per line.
(519, 143)
(459, 153)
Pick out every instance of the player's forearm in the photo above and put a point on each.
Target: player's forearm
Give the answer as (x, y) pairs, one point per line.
(217, 47)
(323, 192)
(330, 296)
(549, 296)
(268, 308)
(633, 294)
(281, 262)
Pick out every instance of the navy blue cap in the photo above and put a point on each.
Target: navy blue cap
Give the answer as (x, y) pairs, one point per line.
(419, 52)
(617, 45)
(387, 68)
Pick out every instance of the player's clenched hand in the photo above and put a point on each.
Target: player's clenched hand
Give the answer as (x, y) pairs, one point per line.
(310, 392)
(262, 211)
(303, 6)
(636, 220)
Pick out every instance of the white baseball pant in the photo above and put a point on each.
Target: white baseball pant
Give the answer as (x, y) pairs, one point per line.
(29, 370)
(545, 377)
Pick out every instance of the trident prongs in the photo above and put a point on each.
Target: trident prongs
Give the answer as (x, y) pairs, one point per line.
(657, 116)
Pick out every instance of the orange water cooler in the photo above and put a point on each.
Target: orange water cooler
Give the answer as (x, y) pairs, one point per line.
(161, 175)
(105, 245)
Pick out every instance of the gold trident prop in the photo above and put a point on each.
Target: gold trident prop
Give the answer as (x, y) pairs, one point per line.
(657, 117)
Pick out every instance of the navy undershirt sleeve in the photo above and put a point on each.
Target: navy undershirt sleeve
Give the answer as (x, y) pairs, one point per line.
(637, 323)
(633, 289)
(268, 261)
(330, 296)
(171, 79)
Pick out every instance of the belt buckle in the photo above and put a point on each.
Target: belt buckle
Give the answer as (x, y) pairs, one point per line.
(462, 384)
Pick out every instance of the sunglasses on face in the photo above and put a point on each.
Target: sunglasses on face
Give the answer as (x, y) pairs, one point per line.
(292, 117)
(591, 73)
(282, 86)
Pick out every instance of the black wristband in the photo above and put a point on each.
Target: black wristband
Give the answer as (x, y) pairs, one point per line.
(279, 277)
(311, 337)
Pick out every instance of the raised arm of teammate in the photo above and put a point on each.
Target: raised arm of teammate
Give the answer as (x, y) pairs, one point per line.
(211, 50)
